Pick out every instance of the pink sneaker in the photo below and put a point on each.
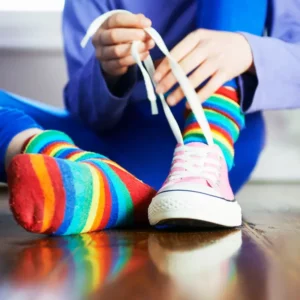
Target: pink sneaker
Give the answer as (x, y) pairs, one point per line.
(197, 191)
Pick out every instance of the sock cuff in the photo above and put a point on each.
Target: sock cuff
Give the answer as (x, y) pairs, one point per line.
(229, 93)
(38, 143)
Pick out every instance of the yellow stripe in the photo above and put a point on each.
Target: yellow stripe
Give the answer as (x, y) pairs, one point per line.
(95, 200)
(94, 258)
(110, 162)
(76, 156)
(221, 139)
(101, 204)
(43, 176)
(58, 148)
(217, 136)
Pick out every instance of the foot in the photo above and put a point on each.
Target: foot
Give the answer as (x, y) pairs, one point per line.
(197, 191)
(57, 196)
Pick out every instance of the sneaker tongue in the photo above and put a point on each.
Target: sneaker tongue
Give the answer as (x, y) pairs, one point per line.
(213, 150)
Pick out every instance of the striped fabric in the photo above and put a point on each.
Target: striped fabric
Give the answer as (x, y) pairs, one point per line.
(74, 191)
(225, 118)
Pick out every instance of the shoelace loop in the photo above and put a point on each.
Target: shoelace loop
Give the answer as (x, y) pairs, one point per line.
(148, 72)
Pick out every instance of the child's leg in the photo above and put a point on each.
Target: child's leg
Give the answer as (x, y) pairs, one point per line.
(53, 118)
(222, 109)
(57, 188)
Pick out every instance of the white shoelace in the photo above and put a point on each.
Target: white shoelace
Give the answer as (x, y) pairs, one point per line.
(148, 73)
(194, 162)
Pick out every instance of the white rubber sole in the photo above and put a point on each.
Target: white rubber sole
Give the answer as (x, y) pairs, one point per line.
(192, 259)
(193, 208)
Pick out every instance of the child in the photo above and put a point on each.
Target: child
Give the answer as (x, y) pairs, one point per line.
(105, 93)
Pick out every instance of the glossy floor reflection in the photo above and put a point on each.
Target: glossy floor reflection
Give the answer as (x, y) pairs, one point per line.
(146, 264)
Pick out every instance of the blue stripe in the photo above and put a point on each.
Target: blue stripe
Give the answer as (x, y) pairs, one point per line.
(68, 182)
(236, 115)
(83, 184)
(63, 153)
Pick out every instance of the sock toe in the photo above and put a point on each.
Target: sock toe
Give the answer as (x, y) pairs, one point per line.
(26, 195)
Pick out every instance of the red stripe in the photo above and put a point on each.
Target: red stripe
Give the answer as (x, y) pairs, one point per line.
(192, 126)
(26, 194)
(141, 194)
(59, 192)
(232, 94)
(50, 147)
(26, 143)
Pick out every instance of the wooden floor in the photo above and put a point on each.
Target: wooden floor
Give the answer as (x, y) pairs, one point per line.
(260, 261)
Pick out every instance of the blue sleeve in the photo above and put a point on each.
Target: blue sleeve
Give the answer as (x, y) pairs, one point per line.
(87, 94)
(277, 62)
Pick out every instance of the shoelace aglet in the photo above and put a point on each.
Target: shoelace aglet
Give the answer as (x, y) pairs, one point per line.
(154, 108)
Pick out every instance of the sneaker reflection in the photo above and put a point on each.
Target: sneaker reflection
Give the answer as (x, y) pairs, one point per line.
(199, 266)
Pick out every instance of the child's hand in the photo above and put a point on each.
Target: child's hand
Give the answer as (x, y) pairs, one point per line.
(113, 42)
(220, 56)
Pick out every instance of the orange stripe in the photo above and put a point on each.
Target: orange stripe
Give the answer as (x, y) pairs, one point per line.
(110, 162)
(43, 176)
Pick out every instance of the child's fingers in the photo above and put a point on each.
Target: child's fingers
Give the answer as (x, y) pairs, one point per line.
(121, 50)
(125, 20)
(178, 53)
(127, 61)
(212, 85)
(120, 36)
(207, 69)
(189, 63)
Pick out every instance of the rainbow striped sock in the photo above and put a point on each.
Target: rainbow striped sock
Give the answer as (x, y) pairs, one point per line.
(225, 118)
(65, 190)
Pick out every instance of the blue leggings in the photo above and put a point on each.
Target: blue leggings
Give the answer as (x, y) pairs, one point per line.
(234, 15)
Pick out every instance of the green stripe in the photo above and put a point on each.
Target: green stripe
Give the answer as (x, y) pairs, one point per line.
(44, 138)
(83, 184)
(230, 107)
(90, 155)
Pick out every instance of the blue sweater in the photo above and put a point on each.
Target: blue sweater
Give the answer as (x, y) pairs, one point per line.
(130, 135)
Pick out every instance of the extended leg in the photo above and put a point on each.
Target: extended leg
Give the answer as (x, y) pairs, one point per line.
(57, 188)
